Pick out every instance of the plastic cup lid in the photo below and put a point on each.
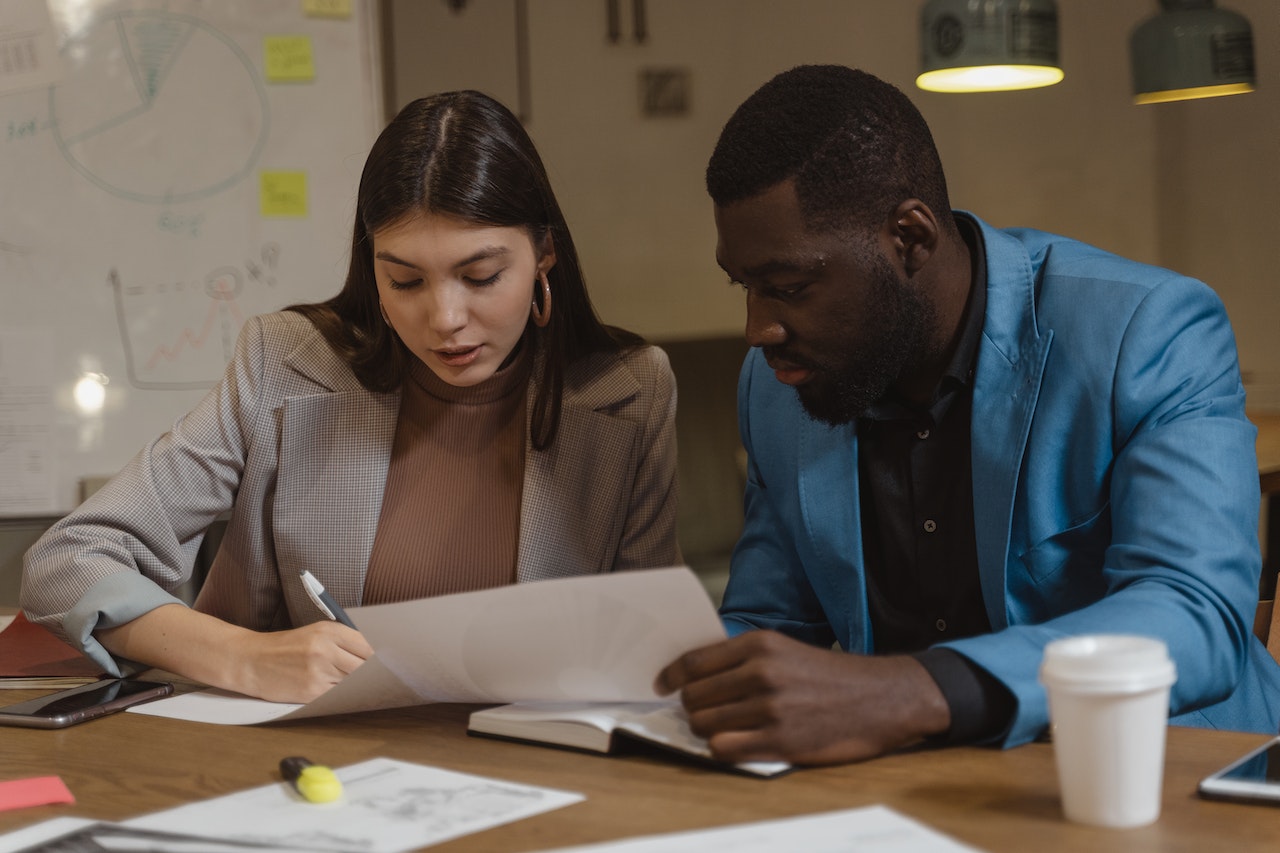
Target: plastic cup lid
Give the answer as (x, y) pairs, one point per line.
(1107, 662)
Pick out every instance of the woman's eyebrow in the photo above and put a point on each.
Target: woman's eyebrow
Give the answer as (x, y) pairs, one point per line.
(384, 255)
(484, 254)
(479, 255)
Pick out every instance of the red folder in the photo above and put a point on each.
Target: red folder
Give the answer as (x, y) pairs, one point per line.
(30, 651)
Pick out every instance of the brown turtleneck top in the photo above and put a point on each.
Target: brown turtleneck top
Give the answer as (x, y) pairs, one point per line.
(450, 519)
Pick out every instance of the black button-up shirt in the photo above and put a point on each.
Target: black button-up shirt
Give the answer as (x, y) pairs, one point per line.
(916, 499)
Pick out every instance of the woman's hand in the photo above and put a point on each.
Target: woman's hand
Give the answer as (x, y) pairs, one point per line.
(296, 665)
(299, 664)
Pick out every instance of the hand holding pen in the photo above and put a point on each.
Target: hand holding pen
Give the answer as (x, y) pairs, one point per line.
(299, 664)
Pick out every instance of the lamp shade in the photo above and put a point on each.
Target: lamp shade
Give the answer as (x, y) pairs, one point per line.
(988, 45)
(1191, 49)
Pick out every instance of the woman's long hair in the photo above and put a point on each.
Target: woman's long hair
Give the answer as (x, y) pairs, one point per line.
(462, 154)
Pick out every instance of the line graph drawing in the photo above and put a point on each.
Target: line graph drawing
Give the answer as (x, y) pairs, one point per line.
(128, 127)
(221, 287)
(163, 354)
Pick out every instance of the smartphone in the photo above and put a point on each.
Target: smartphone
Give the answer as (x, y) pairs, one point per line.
(68, 707)
(1255, 777)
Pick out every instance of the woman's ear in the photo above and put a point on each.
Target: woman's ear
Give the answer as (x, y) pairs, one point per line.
(914, 234)
(546, 255)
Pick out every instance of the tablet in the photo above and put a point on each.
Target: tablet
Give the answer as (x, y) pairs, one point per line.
(1254, 777)
(68, 707)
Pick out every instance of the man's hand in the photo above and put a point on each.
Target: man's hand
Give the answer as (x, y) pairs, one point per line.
(762, 696)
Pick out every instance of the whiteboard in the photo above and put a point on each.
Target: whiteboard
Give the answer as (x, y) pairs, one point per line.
(168, 168)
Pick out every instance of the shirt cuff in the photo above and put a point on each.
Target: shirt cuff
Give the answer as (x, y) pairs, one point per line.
(118, 598)
(981, 707)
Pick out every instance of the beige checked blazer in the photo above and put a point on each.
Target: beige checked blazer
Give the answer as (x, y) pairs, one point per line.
(297, 451)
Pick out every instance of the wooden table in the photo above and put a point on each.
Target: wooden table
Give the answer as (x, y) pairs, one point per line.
(129, 764)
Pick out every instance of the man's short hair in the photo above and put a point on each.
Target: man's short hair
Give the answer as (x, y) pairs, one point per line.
(855, 145)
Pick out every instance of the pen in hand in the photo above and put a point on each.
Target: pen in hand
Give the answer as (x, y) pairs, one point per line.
(324, 600)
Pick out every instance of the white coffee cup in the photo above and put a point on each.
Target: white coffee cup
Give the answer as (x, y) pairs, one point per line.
(1109, 709)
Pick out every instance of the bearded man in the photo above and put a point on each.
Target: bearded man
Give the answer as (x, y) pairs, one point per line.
(964, 442)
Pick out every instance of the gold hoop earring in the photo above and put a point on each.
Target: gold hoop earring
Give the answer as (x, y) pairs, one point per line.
(541, 315)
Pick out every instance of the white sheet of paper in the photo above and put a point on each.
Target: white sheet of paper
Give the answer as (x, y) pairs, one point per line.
(597, 638)
(872, 829)
(46, 830)
(65, 834)
(386, 806)
(369, 688)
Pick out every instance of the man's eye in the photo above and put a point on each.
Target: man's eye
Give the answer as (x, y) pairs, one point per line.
(789, 290)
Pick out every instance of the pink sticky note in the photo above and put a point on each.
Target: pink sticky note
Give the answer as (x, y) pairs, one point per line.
(38, 791)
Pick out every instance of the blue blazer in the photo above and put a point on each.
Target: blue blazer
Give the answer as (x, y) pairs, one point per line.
(1115, 487)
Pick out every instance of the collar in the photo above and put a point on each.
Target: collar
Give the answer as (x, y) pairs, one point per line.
(504, 382)
(964, 358)
(959, 371)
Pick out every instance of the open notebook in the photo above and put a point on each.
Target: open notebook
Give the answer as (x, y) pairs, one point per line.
(596, 726)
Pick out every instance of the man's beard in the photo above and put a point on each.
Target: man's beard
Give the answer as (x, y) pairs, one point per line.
(894, 336)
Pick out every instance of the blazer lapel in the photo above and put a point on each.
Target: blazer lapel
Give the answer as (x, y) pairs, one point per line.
(569, 522)
(1011, 363)
(828, 500)
(335, 449)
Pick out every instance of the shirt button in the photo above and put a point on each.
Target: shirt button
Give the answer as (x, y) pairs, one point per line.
(941, 624)
(930, 526)
(922, 434)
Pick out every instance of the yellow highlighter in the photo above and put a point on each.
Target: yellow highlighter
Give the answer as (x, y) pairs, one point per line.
(315, 782)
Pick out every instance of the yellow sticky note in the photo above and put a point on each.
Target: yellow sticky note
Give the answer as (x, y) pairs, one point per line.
(288, 59)
(327, 8)
(283, 193)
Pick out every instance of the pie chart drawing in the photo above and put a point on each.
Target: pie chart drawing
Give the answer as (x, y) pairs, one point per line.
(158, 107)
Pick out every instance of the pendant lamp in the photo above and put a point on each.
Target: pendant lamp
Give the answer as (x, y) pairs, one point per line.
(1191, 49)
(988, 45)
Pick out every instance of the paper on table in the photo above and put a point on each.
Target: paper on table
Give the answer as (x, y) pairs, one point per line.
(592, 638)
(371, 687)
(386, 806)
(872, 829)
(48, 830)
(78, 835)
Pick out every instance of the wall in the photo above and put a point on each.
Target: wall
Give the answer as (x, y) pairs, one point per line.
(1075, 158)
(1219, 201)
(1192, 186)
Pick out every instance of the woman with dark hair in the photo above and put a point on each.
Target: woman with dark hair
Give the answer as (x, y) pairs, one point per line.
(455, 418)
